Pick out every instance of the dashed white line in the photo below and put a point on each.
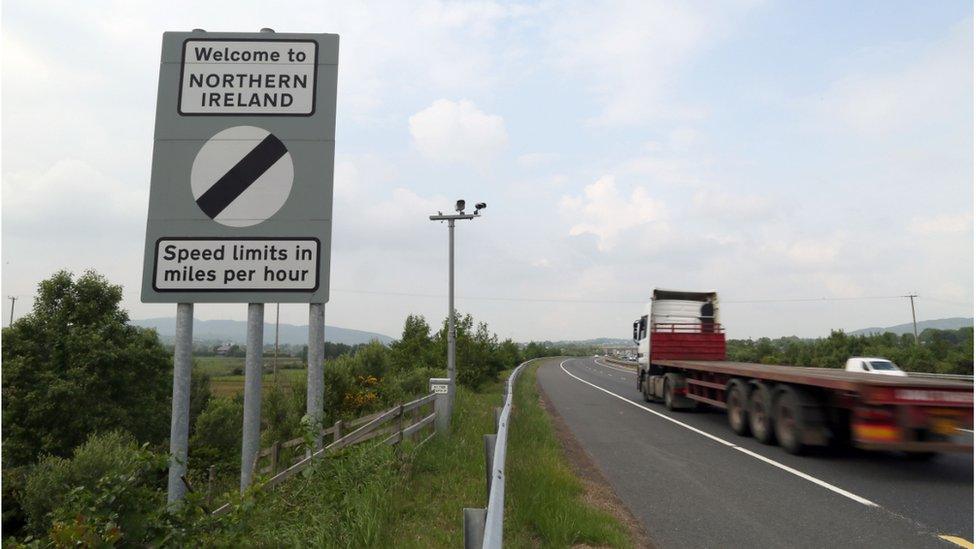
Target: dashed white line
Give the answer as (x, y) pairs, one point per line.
(788, 469)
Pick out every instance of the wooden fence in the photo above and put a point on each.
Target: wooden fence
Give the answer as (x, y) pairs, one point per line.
(396, 424)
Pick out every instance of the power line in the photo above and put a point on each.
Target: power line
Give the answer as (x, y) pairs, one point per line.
(609, 301)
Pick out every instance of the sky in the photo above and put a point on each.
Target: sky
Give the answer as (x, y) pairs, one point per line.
(773, 151)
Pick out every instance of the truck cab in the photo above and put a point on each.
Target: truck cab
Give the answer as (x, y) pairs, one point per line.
(678, 325)
(874, 365)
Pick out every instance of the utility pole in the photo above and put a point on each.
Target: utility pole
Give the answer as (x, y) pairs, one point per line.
(911, 297)
(13, 299)
(451, 334)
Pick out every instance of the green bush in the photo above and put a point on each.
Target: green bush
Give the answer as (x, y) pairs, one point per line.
(109, 489)
(282, 410)
(216, 436)
(199, 394)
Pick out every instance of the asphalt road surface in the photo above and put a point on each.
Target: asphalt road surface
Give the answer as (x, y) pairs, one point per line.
(692, 482)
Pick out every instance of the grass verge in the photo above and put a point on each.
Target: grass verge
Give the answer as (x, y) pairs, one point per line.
(376, 496)
(545, 500)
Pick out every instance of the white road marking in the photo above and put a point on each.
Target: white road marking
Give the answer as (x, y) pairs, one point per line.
(967, 430)
(788, 469)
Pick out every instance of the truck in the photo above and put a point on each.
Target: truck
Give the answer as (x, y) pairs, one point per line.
(682, 362)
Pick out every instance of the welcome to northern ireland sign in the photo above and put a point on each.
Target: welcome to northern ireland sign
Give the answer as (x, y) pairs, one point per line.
(240, 203)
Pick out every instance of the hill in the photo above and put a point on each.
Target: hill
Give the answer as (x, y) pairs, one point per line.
(939, 324)
(234, 331)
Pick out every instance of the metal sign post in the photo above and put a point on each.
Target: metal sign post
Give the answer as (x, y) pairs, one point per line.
(240, 201)
(316, 375)
(179, 427)
(251, 439)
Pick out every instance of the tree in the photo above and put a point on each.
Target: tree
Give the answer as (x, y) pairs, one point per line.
(415, 348)
(74, 366)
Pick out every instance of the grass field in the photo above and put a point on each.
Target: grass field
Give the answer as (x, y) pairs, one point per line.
(224, 382)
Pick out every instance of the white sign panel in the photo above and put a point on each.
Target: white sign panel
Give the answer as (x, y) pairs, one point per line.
(248, 77)
(242, 176)
(236, 264)
(439, 389)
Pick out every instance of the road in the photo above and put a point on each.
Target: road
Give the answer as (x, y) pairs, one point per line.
(692, 482)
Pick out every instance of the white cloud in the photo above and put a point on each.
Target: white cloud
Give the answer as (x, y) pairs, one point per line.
(935, 87)
(72, 198)
(542, 263)
(631, 52)
(449, 131)
(536, 159)
(941, 224)
(607, 214)
(813, 252)
(724, 205)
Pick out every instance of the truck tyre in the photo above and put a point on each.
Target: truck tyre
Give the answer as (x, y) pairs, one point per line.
(645, 387)
(736, 401)
(788, 414)
(761, 414)
(668, 393)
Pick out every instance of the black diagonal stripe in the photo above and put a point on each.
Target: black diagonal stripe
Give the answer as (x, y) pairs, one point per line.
(241, 176)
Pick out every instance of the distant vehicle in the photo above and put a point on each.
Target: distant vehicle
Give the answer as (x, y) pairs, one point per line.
(872, 365)
(681, 358)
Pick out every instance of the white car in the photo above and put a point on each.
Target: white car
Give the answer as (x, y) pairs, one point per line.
(874, 365)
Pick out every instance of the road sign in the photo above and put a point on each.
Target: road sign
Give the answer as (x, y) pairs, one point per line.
(439, 388)
(240, 203)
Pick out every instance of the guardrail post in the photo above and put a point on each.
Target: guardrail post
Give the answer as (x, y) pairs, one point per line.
(441, 386)
(474, 527)
(400, 424)
(337, 434)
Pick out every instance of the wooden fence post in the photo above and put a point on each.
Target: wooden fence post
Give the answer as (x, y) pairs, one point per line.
(211, 478)
(400, 424)
(275, 456)
(337, 430)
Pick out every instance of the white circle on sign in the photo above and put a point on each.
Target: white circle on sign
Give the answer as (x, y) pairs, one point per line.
(242, 176)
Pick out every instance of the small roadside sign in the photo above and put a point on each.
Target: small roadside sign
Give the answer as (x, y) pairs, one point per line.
(438, 388)
(240, 201)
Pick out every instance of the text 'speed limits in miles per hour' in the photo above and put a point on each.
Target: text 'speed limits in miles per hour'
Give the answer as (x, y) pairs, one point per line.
(236, 264)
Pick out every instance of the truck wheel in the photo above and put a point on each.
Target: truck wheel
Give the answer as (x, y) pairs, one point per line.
(668, 395)
(789, 420)
(736, 402)
(645, 388)
(761, 414)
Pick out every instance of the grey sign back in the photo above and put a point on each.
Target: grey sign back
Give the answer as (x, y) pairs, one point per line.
(240, 201)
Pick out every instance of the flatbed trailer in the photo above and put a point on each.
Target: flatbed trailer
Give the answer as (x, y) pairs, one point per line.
(683, 363)
(823, 406)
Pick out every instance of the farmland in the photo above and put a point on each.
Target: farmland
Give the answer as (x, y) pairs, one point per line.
(227, 373)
